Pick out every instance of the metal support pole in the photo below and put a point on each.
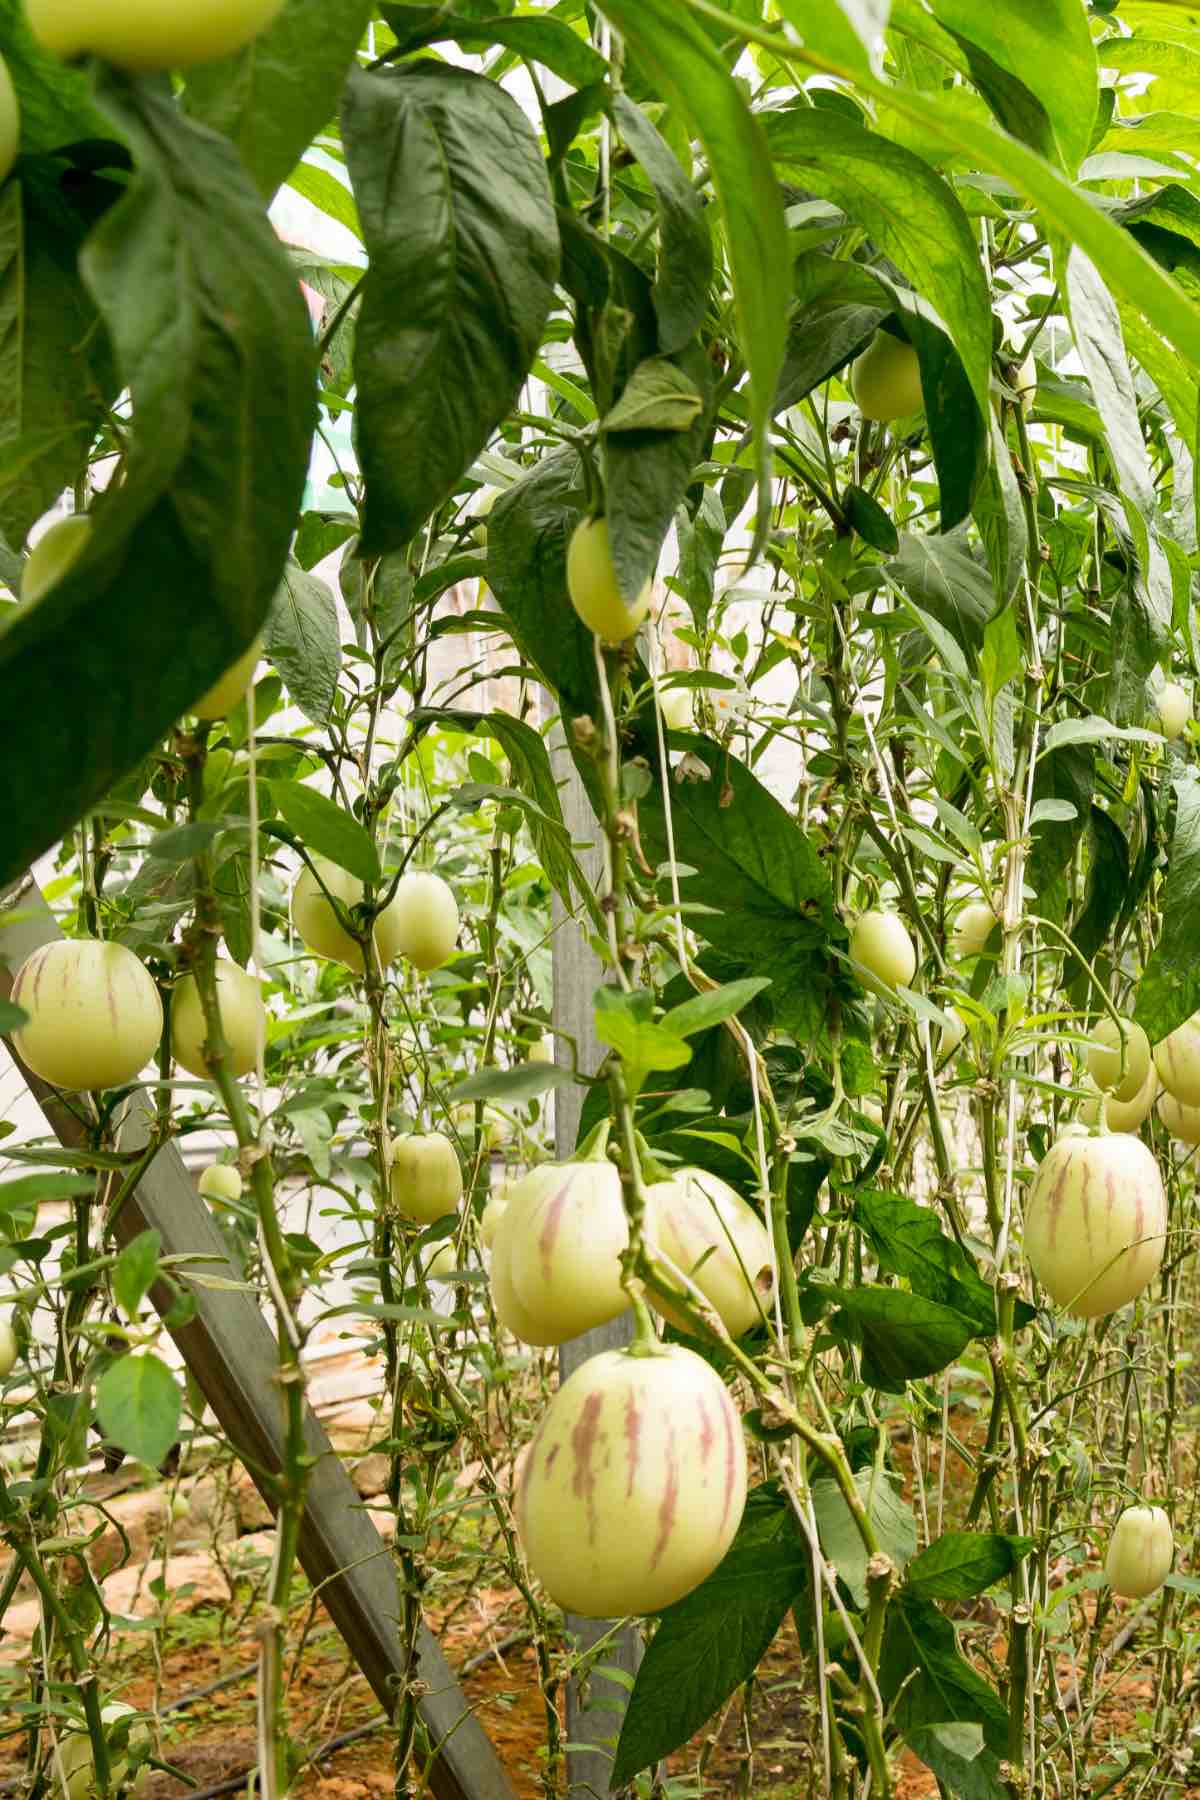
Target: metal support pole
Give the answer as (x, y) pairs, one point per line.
(593, 1715)
(229, 1348)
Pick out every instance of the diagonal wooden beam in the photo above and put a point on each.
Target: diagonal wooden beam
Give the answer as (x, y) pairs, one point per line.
(229, 1348)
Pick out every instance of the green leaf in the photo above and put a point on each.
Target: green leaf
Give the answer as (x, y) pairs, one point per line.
(464, 252)
(921, 1657)
(705, 1010)
(55, 98)
(20, 1199)
(1094, 730)
(941, 575)
(908, 1240)
(272, 98)
(844, 31)
(649, 470)
(961, 1564)
(903, 1336)
(1045, 50)
(624, 1023)
(548, 41)
(328, 829)
(303, 642)
(685, 252)
(709, 1643)
(672, 47)
(138, 1403)
(134, 1271)
(512, 1087)
(888, 1511)
(11, 1018)
(1108, 887)
(960, 1759)
(864, 513)
(212, 340)
(1000, 518)
(1002, 658)
(658, 397)
(1169, 991)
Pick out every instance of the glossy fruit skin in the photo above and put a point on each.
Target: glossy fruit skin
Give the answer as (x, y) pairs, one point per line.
(1121, 1115)
(1174, 709)
(883, 947)
(318, 924)
(1095, 1222)
(10, 122)
(229, 690)
(710, 1233)
(220, 1181)
(145, 35)
(1183, 1122)
(8, 1346)
(76, 1751)
(592, 585)
(561, 1240)
(424, 919)
(972, 928)
(243, 1018)
(886, 379)
(634, 1486)
(62, 544)
(953, 1033)
(426, 1177)
(678, 708)
(1140, 1552)
(1177, 1059)
(1104, 1058)
(95, 1018)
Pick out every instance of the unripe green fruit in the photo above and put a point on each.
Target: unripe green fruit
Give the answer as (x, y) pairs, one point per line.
(592, 585)
(1104, 1060)
(1177, 1059)
(678, 708)
(230, 689)
(10, 122)
(1121, 1115)
(145, 35)
(424, 917)
(1183, 1122)
(95, 1017)
(58, 547)
(426, 1177)
(1174, 709)
(317, 923)
(8, 1346)
(886, 379)
(880, 945)
(1096, 1221)
(1140, 1552)
(560, 1244)
(634, 1486)
(76, 1750)
(711, 1234)
(972, 928)
(220, 1181)
(243, 1021)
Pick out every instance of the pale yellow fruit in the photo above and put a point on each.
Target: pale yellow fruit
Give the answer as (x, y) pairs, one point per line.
(886, 379)
(58, 547)
(972, 928)
(1174, 709)
(426, 1177)
(243, 1021)
(592, 585)
(489, 1222)
(1183, 1122)
(424, 919)
(76, 1750)
(1095, 1223)
(8, 1346)
(510, 1312)
(443, 1264)
(1104, 1058)
(1121, 1115)
(952, 1033)
(562, 1237)
(220, 1181)
(145, 35)
(635, 1483)
(1177, 1059)
(317, 923)
(881, 946)
(10, 122)
(678, 708)
(543, 1050)
(710, 1233)
(1140, 1552)
(230, 689)
(1026, 383)
(95, 1017)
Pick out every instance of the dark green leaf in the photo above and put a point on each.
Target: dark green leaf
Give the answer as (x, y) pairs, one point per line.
(139, 1404)
(327, 828)
(943, 578)
(134, 1271)
(709, 1643)
(1107, 887)
(1169, 991)
(871, 522)
(889, 1513)
(548, 41)
(464, 249)
(704, 1010)
(658, 397)
(908, 1240)
(11, 1018)
(648, 472)
(1000, 518)
(903, 1336)
(961, 1564)
(55, 98)
(685, 256)
(303, 642)
(921, 1655)
(960, 1759)
(700, 540)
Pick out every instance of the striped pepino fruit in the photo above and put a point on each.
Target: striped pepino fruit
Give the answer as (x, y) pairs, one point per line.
(95, 1017)
(1095, 1224)
(634, 1486)
(712, 1234)
(556, 1252)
